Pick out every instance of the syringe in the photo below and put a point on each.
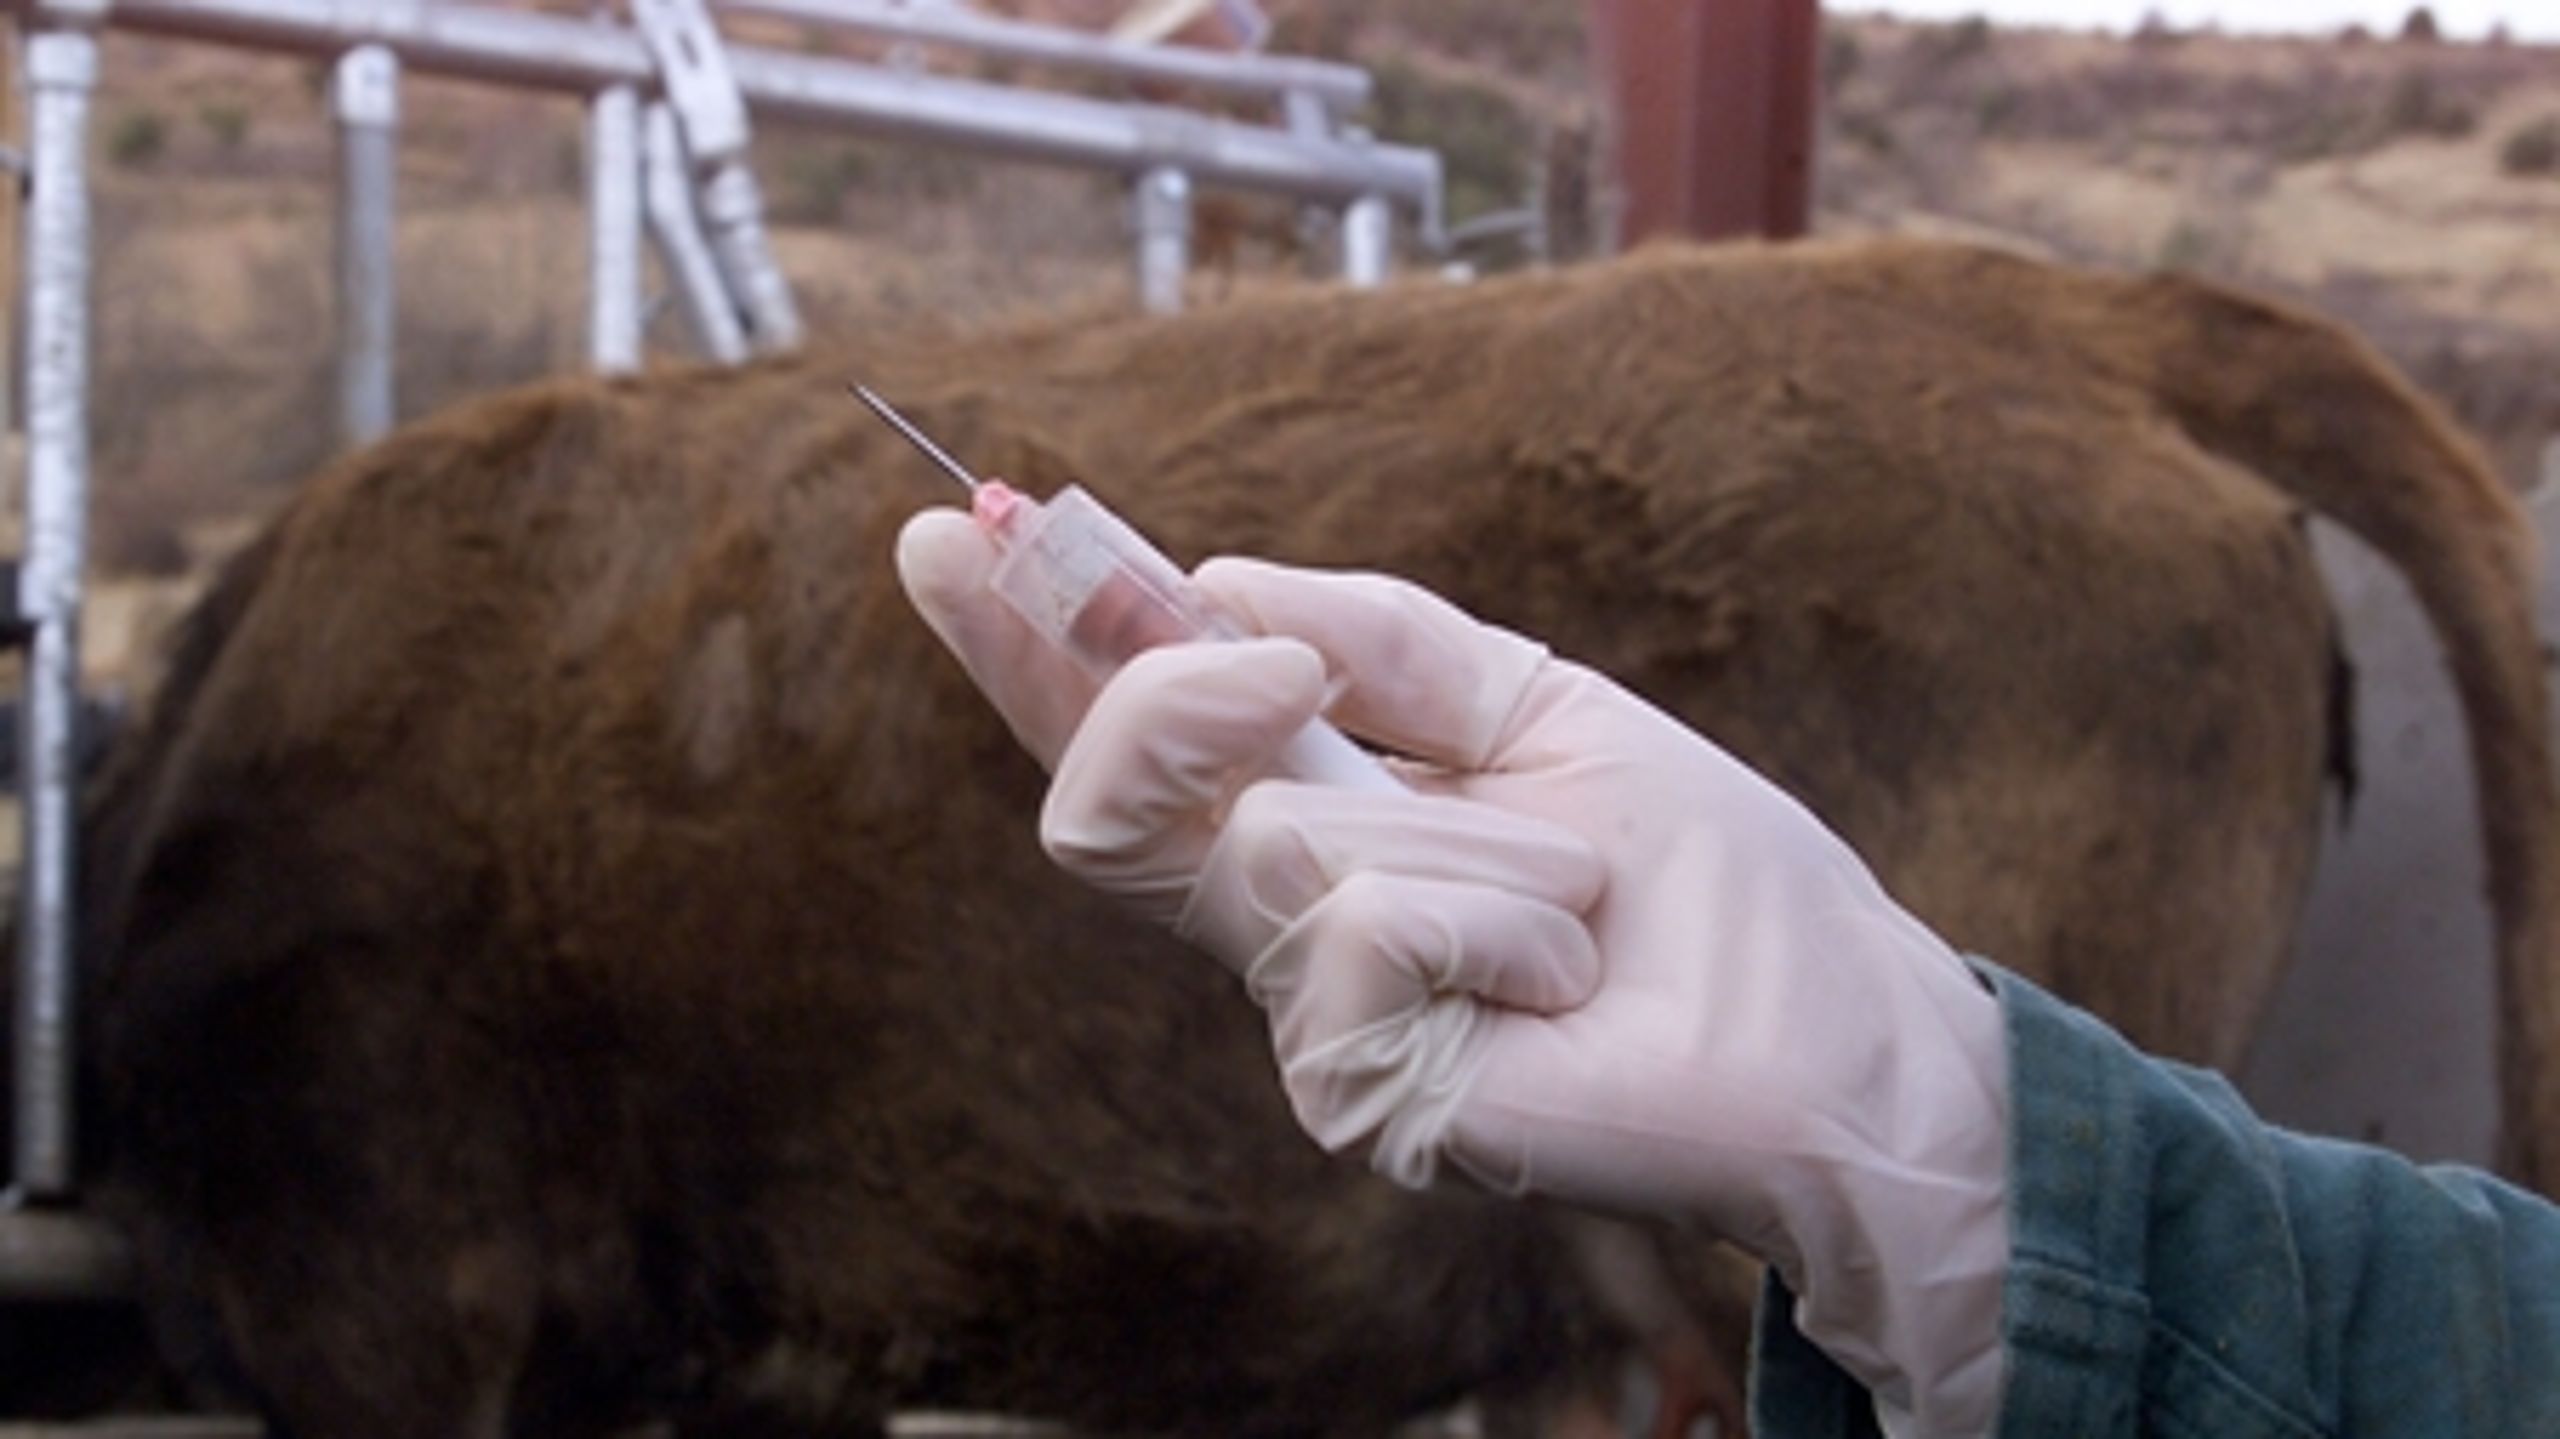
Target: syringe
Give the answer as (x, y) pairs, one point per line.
(1093, 587)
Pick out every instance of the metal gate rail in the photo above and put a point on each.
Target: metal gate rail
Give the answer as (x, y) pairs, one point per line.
(1340, 87)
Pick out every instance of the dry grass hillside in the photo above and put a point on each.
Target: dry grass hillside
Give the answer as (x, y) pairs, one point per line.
(2412, 188)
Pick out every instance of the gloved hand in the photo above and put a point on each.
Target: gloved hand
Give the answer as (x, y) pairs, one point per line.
(1590, 956)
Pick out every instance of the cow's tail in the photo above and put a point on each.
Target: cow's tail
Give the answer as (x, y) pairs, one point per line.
(2318, 413)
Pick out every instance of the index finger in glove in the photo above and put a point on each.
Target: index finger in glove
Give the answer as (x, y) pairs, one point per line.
(1421, 675)
(944, 561)
(1178, 730)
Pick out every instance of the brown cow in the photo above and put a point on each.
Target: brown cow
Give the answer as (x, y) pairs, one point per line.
(569, 948)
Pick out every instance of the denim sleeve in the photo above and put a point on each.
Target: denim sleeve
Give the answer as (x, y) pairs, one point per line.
(2181, 1268)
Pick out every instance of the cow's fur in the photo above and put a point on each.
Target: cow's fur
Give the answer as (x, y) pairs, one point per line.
(568, 946)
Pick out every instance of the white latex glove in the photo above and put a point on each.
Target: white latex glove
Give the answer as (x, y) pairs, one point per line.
(1592, 956)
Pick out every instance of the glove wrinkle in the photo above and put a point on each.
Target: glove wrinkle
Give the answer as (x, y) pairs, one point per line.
(1391, 1088)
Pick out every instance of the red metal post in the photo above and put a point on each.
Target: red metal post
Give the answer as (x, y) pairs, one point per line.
(1710, 113)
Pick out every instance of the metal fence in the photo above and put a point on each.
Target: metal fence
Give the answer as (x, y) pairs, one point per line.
(669, 104)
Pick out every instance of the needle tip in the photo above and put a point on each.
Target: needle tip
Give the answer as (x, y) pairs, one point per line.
(914, 436)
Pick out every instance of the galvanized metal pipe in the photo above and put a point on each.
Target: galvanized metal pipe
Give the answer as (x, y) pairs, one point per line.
(1061, 129)
(1345, 87)
(506, 46)
(557, 52)
(694, 76)
(365, 92)
(688, 259)
(1368, 242)
(61, 73)
(733, 213)
(1163, 206)
(711, 113)
(613, 230)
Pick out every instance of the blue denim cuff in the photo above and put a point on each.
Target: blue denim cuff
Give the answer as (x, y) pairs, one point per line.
(2115, 1159)
(2152, 1287)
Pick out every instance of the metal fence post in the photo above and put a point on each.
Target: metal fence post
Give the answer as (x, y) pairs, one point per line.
(680, 244)
(61, 71)
(613, 230)
(1710, 112)
(1302, 112)
(1368, 241)
(366, 95)
(733, 210)
(711, 114)
(1164, 238)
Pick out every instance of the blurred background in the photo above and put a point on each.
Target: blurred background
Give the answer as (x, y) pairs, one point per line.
(2404, 175)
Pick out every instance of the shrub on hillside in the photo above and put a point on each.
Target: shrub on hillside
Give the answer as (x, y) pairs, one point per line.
(1867, 128)
(1995, 108)
(227, 121)
(815, 176)
(1485, 142)
(2156, 33)
(2532, 150)
(137, 138)
(1841, 57)
(2415, 106)
(1966, 39)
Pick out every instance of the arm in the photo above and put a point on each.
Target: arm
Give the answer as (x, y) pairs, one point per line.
(2178, 1267)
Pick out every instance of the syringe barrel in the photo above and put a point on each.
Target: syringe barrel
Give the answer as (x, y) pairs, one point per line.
(1093, 587)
